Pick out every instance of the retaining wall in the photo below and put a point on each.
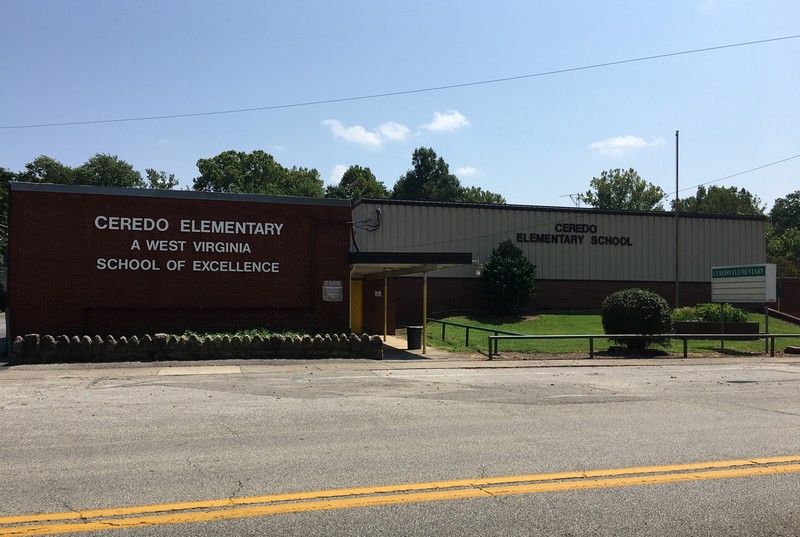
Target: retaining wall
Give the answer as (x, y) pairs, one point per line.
(38, 349)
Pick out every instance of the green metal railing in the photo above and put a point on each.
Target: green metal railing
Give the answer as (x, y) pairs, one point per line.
(469, 327)
(769, 339)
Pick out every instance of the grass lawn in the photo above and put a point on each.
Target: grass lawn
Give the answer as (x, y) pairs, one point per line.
(580, 323)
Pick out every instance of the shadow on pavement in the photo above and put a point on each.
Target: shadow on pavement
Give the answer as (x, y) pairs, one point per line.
(396, 348)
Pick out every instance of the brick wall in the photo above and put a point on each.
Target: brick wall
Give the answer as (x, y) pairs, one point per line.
(63, 275)
(789, 296)
(373, 305)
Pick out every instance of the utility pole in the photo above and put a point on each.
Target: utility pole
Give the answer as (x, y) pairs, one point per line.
(677, 249)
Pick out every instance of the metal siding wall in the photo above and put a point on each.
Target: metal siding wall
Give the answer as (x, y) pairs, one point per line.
(704, 242)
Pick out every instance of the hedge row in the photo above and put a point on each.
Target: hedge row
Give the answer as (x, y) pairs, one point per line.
(34, 348)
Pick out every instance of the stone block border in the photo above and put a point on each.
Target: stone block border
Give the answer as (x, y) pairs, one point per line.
(37, 349)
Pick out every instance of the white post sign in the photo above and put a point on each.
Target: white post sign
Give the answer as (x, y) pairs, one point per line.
(744, 283)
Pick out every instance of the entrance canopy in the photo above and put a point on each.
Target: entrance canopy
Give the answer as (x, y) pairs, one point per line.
(375, 265)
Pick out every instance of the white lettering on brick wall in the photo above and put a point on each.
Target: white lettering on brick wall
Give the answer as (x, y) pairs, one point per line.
(197, 245)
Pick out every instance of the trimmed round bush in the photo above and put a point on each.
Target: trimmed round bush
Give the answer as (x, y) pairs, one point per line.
(637, 311)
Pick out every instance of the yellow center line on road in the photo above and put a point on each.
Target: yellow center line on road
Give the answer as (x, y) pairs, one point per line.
(231, 508)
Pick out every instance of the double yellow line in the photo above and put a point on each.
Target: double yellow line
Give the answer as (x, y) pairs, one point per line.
(231, 508)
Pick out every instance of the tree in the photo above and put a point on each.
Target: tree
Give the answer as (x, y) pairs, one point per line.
(255, 173)
(304, 182)
(783, 235)
(509, 277)
(720, 200)
(357, 183)
(623, 190)
(107, 170)
(429, 180)
(474, 194)
(784, 251)
(160, 180)
(100, 170)
(785, 213)
(44, 169)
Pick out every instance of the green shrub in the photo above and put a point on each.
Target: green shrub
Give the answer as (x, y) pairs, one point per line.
(637, 311)
(686, 313)
(509, 277)
(252, 332)
(711, 313)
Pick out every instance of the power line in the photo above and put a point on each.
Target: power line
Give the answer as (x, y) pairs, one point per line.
(735, 175)
(402, 92)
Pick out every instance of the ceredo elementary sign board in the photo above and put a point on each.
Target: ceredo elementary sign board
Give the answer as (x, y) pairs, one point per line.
(745, 283)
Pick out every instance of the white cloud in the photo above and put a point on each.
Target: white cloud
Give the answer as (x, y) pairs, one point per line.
(450, 121)
(336, 174)
(374, 138)
(393, 131)
(619, 145)
(466, 171)
(356, 134)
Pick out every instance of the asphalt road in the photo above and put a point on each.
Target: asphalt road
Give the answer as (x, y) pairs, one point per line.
(76, 439)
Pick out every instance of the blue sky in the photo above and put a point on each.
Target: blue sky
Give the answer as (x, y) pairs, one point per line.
(535, 139)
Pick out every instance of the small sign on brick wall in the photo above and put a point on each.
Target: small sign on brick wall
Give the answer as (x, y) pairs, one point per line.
(332, 291)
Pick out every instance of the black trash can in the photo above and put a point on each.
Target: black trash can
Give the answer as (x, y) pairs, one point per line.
(414, 336)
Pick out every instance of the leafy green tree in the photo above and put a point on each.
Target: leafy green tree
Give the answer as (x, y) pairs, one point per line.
(44, 169)
(357, 183)
(429, 180)
(509, 277)
(255, 173)
(784, 251)
(160, 180)
(100, 170)
(474, 194)
(107, 170)
(305, 182)
(6, 176)
(785, 213)
(623, 190)
(720, 200)
(783, 235)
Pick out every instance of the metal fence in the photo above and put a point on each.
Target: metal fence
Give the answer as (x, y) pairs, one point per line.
(469, 327)
(769, 339)
(503, 335)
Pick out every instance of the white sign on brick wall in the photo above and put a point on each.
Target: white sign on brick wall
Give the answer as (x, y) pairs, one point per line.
(332, 291)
